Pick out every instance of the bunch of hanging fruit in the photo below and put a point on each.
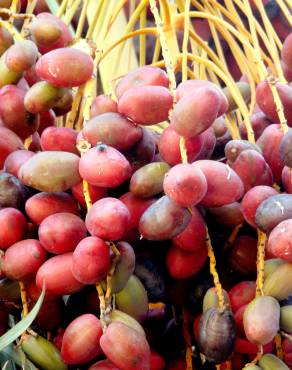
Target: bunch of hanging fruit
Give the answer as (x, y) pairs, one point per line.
(145, 184)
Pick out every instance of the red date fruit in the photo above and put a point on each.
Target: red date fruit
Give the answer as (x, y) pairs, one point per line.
(229, 215)
(59, 139)
(108, 219)
(125, 347)
(13, 227)
(80, 349)
(252, 199)
(280, 241)
(21, 56)
(185, 185)
(182, 264)
(91, 260)
(243, 255)
(65, 67)
(57, 276)
(286, 52)
(241, 294)
(104, 166)
(146, 105)
(169, 148)
(95, 193)
(23, 259)
(61, 232)
(42, 205)
(208, 144)
(287, 179)
(103, 365)
(15, 160)
(103, 104)
(224, 185)
(9, 142)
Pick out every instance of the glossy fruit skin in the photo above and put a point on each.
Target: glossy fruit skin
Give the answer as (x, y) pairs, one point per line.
(60, 139)
(91, 260)
(135, 103)
(21, 56)
(285, 319)
(287, 179)
(157, 362)
(163, 220)
(242, 257)
(273, 210)
(182, 264)
(185, 185)
(169, 149)
(104, 166)
(9, 142)
(65, 67)
(103, 104)
(224, 185)
(190, 119)
(61, 232)
(241, 294)
(142, 76)
(147, 181)
(193, 237)
(112, 129)
(278, 284)
(79, 350)
(229, 215)
(14, 114)
(42, 205)
(23, 259)
(108, 219)
(261, 320)
(252, 199)
(217, 334)
(125, 347)
(57, 276)
(39, 171)
(15, 160)
(279, 242)
(45, 31)
(14, 227)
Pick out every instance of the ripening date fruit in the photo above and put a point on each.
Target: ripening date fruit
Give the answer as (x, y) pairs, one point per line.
(64, 104)
(280, 241)
(208, 144)
(21, 56)
(22, 260)
(229, 215)
(15, 160)
(125, 347)
(169, 148)
(104, 166)
(103, 365)
(185, 185)
(286, 52)
(241, 294)
(163, 220)
(91, 260)
(56, 274)
(41, 205)
(287, 179)
(80, 349)
(146, 105)
(12, 192)
(60, 139)
(103, 104)
(9, 142)
(142, 76)
(6, 40)
(95, 193)
(61, 232)
(13, 227)
(108, 219)
(65, 67)
(243, 255)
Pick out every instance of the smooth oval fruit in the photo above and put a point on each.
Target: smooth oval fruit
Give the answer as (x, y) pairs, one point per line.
(285, 151)
(42, 205)
(77, 349)
(51, 171)
(271, 265)
(217, 333)
(229, 215)
(286, 52)
(56, 274)
(224, 185)
(6, 40)
(163, 220)
(6, 75)
(241, 294)
(120, 316)
(211, 299)
(104, 166)
(272, 362)
(13, 227)
(112, 129)
(185, 185)
(261, 320)
(91, 260)
(65, 67)
(12, 192)
(103, 104)
(21, 56)
(279, 283)
(287, 179)
(280, 241)
(273, 210)
(9, 142)
(61, 232)
(45, 31)
(133, 299)
(108, 219)
(148, 180)
(103, 365)
(42, 352)
(15, 160)
(23, 259)
(286, 318)
(125, 347)
(243, 255)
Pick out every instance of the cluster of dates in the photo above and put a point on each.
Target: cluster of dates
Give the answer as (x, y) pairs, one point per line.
(147, 204)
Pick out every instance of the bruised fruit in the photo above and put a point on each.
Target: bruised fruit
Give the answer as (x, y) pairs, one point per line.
(261, 320)
(217, 334)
